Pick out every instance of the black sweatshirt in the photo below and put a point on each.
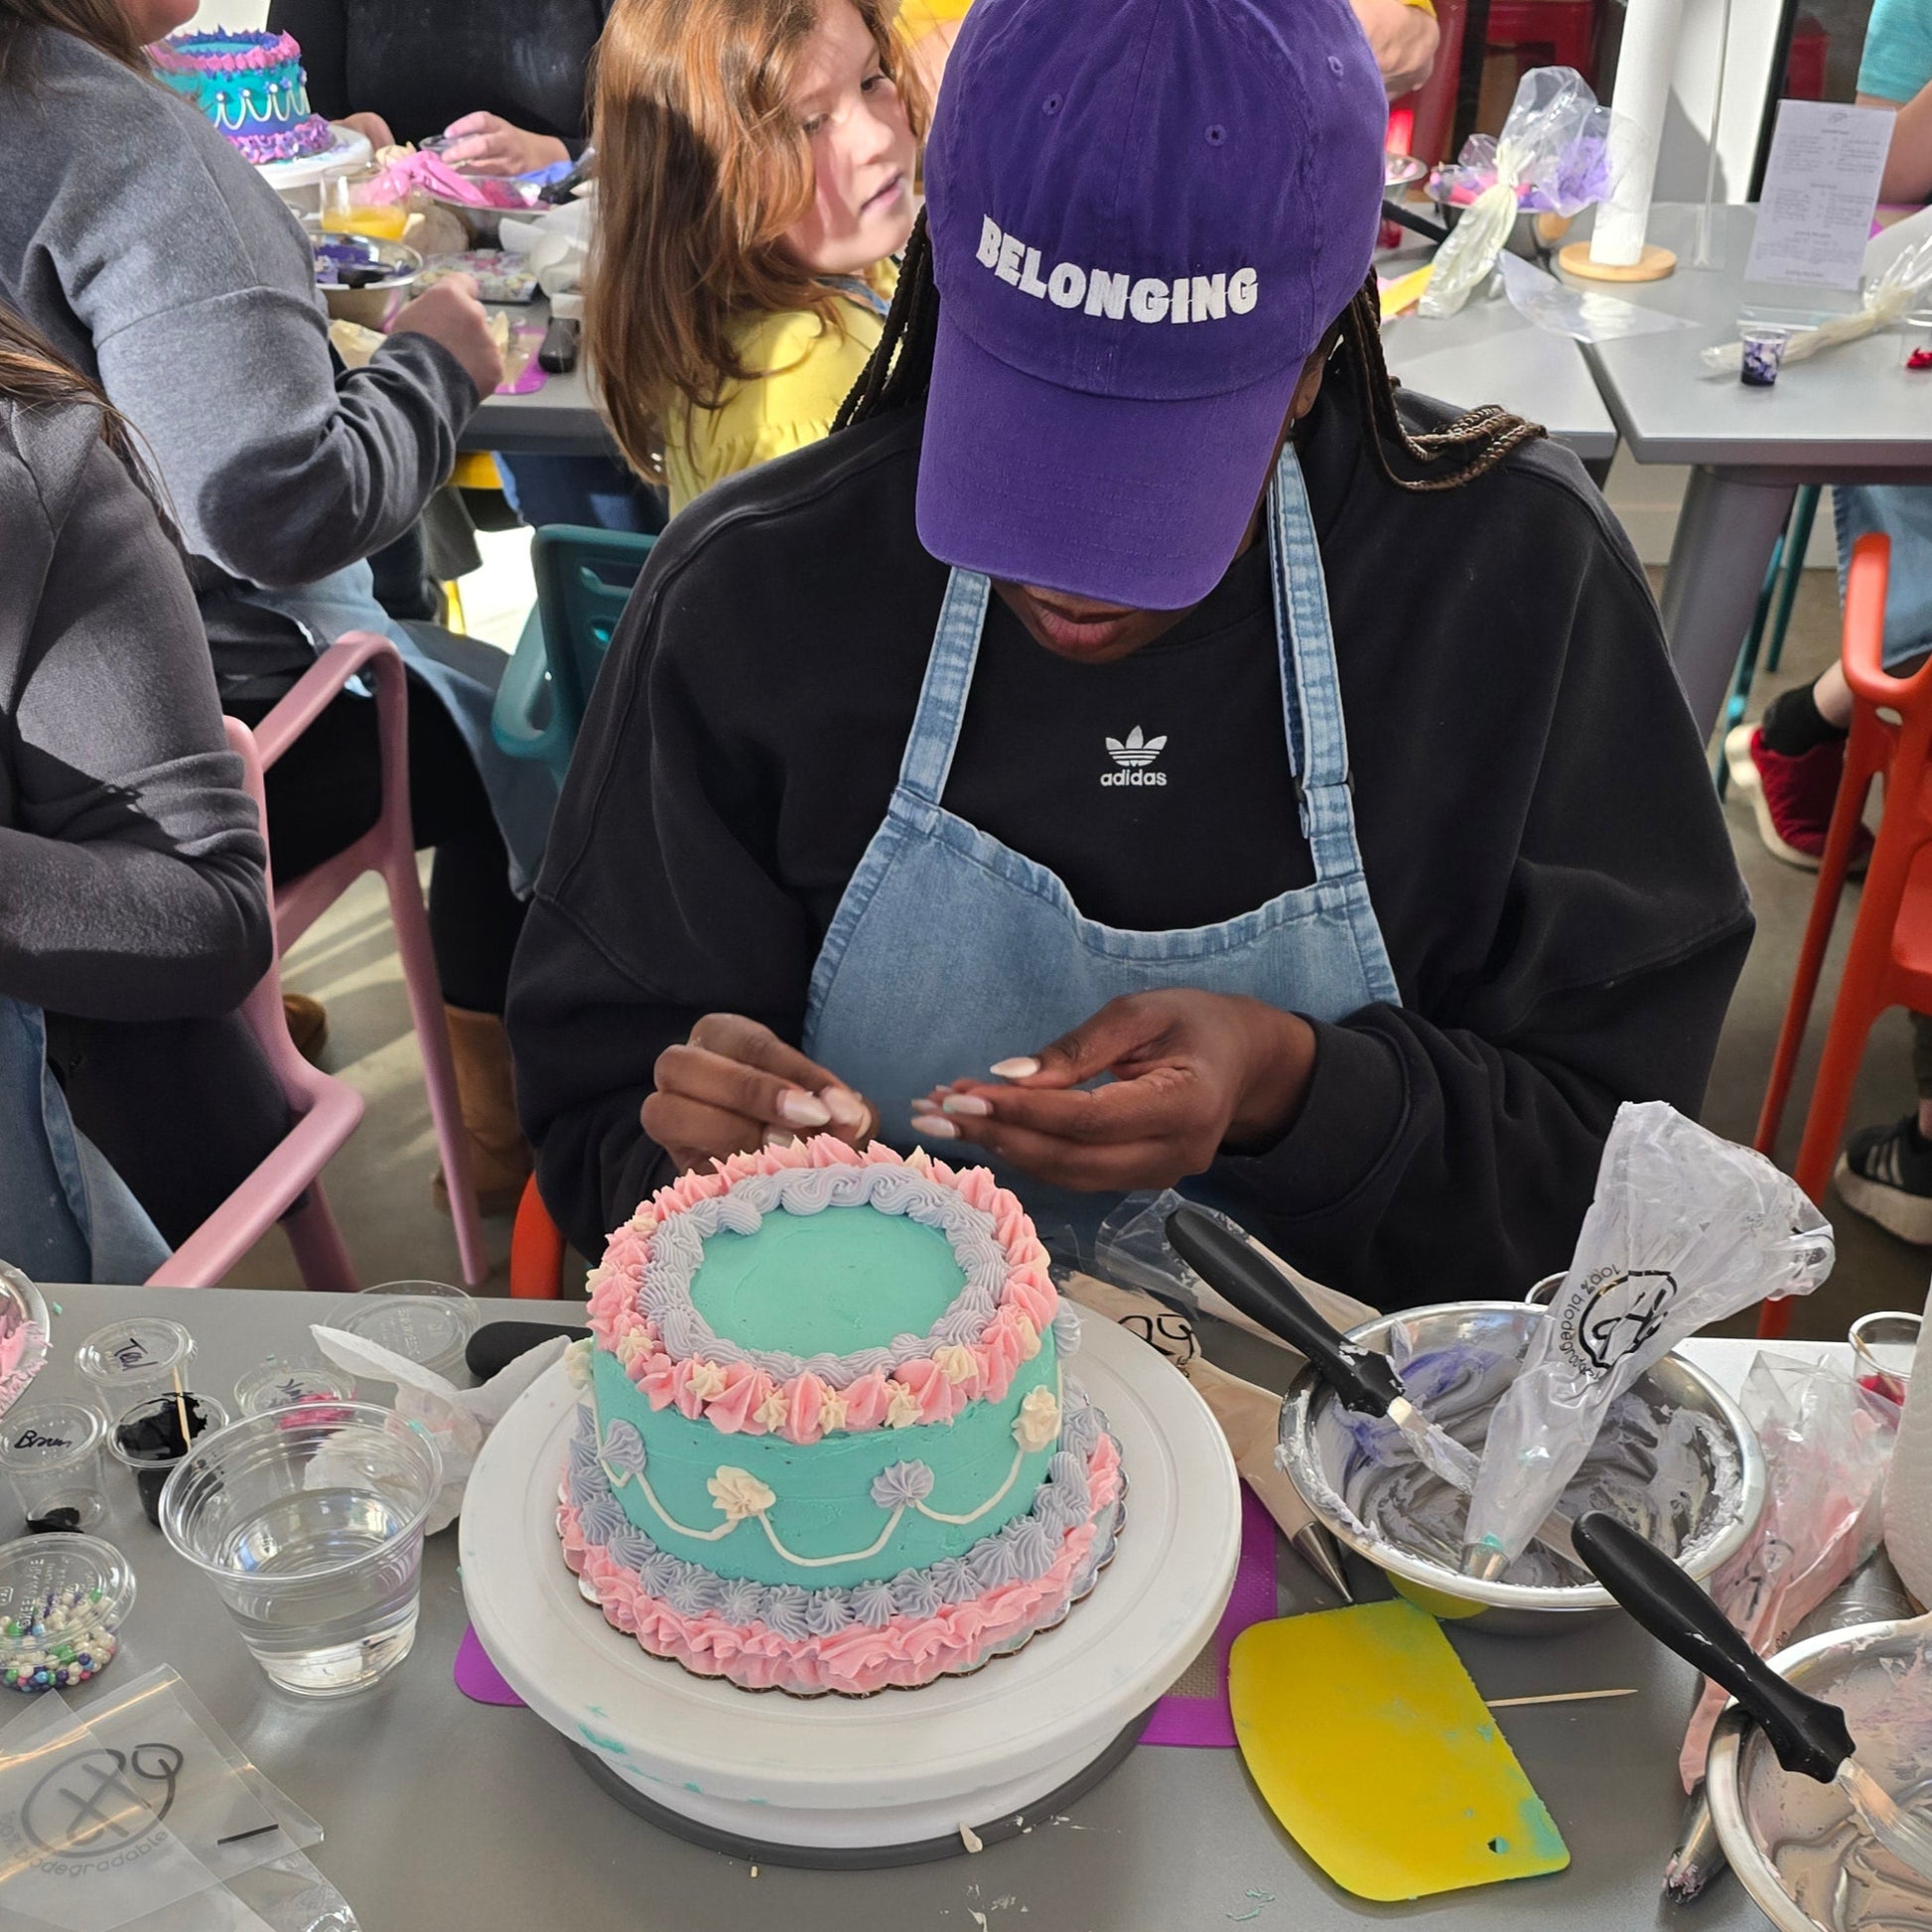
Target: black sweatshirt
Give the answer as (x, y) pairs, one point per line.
(422, 66)
(1547, 860)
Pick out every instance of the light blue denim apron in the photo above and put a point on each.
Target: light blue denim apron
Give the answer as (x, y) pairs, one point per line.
(950, 950)
(65, 1215)
(522, 792)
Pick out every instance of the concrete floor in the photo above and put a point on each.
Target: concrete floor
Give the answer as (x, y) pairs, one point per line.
(379, 1183)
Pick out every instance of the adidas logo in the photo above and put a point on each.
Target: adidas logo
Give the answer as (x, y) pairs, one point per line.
(1133, 755)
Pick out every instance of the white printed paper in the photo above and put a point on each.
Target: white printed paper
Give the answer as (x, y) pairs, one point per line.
(1821, 188)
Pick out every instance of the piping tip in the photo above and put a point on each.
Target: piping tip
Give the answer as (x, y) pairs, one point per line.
(1484, 1565)
(1699, 1855)
(1318, 1549)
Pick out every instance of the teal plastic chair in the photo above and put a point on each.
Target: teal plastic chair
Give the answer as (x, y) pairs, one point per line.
(584, 580)
(1774, 600)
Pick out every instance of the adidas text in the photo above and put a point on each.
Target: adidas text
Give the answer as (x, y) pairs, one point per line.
(1133, 777)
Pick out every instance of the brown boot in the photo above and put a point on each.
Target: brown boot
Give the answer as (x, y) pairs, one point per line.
(308, 1025)
(500, 1155)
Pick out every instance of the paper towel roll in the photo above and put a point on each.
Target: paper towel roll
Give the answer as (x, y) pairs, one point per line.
(1908, 1487)
(1637, 109)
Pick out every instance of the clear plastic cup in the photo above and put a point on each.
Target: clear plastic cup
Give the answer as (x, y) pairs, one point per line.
(50, 1452)
(1763, 353)
(311, 1528)
(157, 1419)
(1885, 1343)
(63, 1601)
(426, 1323)
(279, 1383)
(130, 1359)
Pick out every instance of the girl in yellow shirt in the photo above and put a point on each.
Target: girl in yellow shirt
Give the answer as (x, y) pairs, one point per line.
(754, 179)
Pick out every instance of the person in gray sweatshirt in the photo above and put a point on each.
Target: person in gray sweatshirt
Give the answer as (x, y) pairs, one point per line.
(158, 261)
(132, 896)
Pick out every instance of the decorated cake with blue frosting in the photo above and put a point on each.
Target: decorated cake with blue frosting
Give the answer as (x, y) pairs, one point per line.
(250, 85)
(827, 1440)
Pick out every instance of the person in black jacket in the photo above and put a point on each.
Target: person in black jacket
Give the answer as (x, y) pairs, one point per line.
(1167, 706)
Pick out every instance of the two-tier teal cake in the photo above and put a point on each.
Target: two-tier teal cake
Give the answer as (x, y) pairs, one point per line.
(827, 1440)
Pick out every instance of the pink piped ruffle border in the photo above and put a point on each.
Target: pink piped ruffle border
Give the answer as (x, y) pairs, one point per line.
(908, 1651)
(180, 53)
(737, 1397)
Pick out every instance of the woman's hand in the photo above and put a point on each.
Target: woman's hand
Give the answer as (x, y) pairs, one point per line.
(487, 144)
(372, 128)
(733, 1085)
(1403, 40)
(1194, 1073)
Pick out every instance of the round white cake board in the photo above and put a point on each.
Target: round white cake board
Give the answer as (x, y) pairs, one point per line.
(349, 151)
(903, 1765)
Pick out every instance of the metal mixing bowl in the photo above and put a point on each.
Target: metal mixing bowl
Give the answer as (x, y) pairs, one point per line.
(1310, 1455)
(1740, 1761)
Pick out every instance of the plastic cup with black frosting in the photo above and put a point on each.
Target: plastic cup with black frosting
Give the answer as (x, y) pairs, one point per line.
(148, 1438)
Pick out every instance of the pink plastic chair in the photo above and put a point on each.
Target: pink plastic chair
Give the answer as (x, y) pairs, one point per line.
(387, 847)
(325, 1110)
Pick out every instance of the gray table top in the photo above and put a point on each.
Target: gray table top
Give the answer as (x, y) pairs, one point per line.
(440, 1812)
(1490, 354)
(1850, 413)
(560, 419)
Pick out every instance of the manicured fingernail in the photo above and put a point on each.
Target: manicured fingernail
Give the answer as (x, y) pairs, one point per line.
(778, 1137)
(802, 1110)
(969, 1104)
(1023, 1068)
(843, 1105)
(935, 1127)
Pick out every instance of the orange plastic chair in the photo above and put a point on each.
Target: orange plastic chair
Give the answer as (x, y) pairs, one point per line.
(326, 1112)
(1890, 962)
(536, 1250)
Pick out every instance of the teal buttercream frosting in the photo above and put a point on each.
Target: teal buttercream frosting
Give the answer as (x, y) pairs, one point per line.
(831, 1283)
(824, 1505)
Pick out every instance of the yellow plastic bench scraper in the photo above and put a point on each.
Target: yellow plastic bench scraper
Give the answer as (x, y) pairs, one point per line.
(1374, 1749)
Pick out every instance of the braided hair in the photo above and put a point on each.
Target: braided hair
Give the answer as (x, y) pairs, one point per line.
(1473, 445)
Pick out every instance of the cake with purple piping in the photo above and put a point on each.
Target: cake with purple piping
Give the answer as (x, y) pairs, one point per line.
(250, 85)
(827, 1440)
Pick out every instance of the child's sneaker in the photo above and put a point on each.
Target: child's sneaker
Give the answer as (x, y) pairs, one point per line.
(1792, 797)
(1885, 1175)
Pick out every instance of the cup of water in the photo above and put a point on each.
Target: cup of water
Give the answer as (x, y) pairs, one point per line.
(309, 1521)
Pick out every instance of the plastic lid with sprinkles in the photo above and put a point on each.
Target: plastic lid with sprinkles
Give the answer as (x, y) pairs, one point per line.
(63, 1601)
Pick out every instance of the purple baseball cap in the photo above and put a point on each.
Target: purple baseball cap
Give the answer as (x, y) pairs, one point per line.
(1144, 216)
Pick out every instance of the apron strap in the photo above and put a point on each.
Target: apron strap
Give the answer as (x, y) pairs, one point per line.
(1317, 740)
(934, 736)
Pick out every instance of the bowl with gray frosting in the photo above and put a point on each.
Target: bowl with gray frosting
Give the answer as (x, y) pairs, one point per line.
(1675, 1458)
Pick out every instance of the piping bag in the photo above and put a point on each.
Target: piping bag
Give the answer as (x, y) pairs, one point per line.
(1237, 1266)
(1685, 1230)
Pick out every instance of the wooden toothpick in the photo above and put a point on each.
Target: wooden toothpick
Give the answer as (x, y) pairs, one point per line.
(1559, 1697)
(181, 1408)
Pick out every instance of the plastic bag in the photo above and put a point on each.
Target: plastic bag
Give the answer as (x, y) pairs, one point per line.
(1584, 314)
(456, 1420)
(1827, 1446)
(1887, 296)
(1550, 158)
(1132, 1251)
(142, 1816)
(1685, 1230)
